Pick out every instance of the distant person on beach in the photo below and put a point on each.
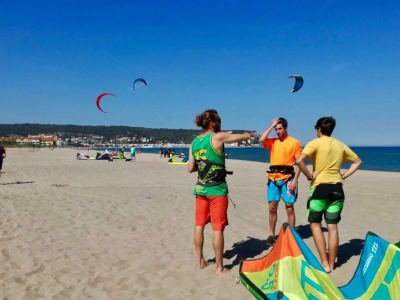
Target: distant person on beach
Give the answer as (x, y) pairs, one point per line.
(282, 177)
(207, 157)
(133, 153)
(161, 151)
(2, 156)
(326, 195)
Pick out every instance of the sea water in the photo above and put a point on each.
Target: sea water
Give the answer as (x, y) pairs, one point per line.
(374, 158)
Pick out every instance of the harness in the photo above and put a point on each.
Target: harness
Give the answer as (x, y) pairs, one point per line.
(287, 170)
(211, 173)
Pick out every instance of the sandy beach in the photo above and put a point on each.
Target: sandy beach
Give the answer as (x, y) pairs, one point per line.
(74, 229)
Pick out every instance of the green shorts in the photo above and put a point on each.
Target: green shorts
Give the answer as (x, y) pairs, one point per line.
(325, 199)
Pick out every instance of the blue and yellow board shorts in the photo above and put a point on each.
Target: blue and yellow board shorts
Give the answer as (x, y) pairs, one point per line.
(278, 189)
(326, 199)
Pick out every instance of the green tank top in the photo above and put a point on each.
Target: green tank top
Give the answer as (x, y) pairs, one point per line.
(202, 149)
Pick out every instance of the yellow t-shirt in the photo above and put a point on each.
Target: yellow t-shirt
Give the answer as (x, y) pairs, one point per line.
(327, 155)
(283, 153)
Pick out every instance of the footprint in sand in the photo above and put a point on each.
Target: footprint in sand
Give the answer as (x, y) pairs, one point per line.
(40, 269)
(5, 253)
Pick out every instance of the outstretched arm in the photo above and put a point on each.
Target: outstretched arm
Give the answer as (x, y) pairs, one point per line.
(266, 133)
(220, 138)
(223, 137)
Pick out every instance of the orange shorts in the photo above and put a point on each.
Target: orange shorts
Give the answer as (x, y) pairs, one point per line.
(214, 209)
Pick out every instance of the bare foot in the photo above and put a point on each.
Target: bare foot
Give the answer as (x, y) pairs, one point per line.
(221, 271)
(271, 240)
(326, 268)
(203, 264)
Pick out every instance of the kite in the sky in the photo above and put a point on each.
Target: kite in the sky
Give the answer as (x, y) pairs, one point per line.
(99, 99)
(298, 84)
(139, 80)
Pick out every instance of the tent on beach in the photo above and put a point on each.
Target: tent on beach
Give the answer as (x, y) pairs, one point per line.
(291, 271)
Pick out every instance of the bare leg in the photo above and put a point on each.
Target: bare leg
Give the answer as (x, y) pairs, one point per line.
(198, 243)
(218, 244)
(333, 244)
(290, 215)
(273, 208)
(319, 240)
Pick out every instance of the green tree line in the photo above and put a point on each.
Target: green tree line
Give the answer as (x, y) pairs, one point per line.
(108, 132)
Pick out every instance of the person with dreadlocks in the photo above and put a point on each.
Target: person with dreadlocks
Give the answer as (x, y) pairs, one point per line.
(282, 177)
(207, 157)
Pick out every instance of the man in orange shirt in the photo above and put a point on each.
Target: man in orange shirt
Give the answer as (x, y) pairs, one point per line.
(282, 178)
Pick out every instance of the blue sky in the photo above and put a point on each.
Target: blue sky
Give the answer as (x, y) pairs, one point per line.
(234, 56)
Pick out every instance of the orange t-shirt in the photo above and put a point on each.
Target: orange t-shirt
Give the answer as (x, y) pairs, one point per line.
(283, 153)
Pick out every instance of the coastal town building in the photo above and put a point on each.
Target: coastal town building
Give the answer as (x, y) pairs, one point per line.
(40, 139)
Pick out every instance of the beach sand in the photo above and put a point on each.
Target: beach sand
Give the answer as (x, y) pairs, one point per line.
(119, 230)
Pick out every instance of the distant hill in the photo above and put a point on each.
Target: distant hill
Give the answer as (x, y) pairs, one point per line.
(65, 131)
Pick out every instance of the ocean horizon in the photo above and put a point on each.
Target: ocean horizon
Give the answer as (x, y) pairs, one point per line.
(375, 158)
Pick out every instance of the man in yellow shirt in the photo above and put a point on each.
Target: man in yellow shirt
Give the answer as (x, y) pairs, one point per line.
(326, 196)
(282, 179)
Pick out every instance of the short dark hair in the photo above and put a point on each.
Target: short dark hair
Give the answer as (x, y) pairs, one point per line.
(282, 121)
(326, 124)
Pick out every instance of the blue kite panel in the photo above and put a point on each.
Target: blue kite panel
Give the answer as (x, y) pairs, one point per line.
(371, 259)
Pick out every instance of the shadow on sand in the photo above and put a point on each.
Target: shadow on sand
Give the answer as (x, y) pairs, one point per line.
(345, 251)
(17, 182)
(252, 247)
(349, 249)
(304, 231)
(244, 250)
